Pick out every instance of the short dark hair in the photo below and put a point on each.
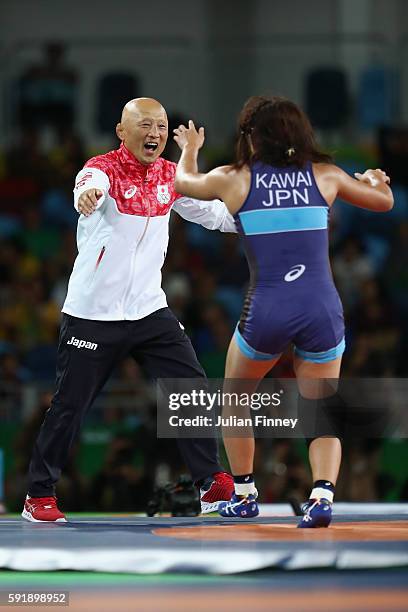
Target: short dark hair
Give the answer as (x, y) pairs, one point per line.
(280, 132)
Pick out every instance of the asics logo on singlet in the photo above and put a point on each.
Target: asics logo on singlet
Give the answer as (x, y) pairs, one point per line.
(82, 344)
(294, 273)
(129, 193)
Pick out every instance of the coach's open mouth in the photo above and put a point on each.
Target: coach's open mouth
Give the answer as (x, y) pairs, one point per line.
(151, 146)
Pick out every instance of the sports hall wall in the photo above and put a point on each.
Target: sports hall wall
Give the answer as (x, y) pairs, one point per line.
(204, 57)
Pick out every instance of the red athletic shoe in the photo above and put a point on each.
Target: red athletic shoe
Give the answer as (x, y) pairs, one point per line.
(42, 510)
(215, 489)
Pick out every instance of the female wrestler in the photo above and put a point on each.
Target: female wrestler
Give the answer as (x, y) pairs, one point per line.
(280, 190)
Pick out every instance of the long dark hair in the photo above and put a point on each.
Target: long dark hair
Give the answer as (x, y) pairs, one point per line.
(276, 131)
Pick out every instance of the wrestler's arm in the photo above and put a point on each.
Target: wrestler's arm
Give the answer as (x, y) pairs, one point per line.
(189, 181)
(369, 190)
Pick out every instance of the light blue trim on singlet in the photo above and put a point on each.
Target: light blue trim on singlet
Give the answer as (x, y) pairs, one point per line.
(248, 351)
(276, 220)
(323, 356)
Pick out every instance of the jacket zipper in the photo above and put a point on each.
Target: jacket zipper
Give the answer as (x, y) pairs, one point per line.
(132, 268)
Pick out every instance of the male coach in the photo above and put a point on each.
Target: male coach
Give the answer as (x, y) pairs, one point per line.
(115, 305)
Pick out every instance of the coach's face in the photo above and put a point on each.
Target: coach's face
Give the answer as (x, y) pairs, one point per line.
(143, 129)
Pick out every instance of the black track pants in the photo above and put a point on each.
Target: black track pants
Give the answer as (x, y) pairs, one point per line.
(157, 342)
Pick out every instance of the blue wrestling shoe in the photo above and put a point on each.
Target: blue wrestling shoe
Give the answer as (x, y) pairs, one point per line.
(317, 513)
(239, 506)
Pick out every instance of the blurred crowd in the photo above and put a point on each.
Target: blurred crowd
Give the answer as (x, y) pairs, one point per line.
(205, 275)
(205, 278)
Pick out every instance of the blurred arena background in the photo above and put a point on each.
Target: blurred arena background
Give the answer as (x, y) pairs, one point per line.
(66, 69)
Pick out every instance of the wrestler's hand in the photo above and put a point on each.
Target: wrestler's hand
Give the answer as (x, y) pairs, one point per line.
(373, 177)
(189, 136)
(88, 200)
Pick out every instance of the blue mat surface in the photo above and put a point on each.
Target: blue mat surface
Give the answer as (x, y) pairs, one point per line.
(128, 544)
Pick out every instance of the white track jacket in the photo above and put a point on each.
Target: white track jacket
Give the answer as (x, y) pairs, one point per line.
(122, 245)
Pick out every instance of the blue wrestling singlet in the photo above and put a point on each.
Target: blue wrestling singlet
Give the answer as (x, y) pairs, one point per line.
(283, 224)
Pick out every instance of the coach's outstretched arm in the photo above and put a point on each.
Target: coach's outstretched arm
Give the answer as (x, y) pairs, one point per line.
(91, 187)
(211, 214)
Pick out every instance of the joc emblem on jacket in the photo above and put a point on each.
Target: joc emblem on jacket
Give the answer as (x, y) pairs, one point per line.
(163, 194)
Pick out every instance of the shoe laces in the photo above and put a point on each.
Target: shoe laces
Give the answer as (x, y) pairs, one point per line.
(312, 503)
(245, 499)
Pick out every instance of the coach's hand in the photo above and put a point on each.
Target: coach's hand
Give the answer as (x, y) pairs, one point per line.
(88, 201)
